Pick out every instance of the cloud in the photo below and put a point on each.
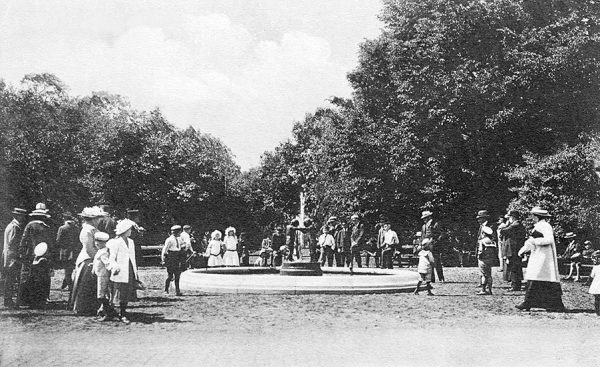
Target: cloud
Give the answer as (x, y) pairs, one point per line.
(202, 70)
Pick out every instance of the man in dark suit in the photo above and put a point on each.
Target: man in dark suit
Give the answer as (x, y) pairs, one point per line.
(67, 241)
(10, 254)
(432, 234)
(514, 234)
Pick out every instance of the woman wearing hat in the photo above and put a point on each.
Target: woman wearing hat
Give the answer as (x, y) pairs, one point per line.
(543, 282)
(124, 268)
(173, 256)
(83, 296)
(35, 232)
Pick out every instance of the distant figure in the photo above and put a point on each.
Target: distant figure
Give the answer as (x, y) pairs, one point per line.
(327, 244)
(102, 269)
(595, 284)
(230, 257)
(291, 238)
(514, 236)
(388, 246)
(265, 252)
(431, 234)
(356, 240)
(574, 255)
(67, 241)
(213, 250)
(173, 256)
(243, 250)
(277, 242)
(10, 255)
(486, 255)
(37, 287)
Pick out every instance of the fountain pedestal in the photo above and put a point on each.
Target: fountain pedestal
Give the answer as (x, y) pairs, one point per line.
(300, 268)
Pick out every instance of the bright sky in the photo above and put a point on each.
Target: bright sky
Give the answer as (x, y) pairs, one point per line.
(240, 70)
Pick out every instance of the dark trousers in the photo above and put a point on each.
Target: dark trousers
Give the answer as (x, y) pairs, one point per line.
(387, 259)
(327, 255)
(597, 304)
(11, 282)
(339, 258)
(439, 269)
(355, 255)
(170, 277)
(515, 272)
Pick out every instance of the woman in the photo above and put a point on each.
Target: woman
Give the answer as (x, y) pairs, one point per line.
(213, 250)
(124, 268)
(173, 256)
(83, 297)
(230, 258)
(543, 282)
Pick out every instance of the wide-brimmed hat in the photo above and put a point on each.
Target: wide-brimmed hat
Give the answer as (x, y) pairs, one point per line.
(483, 214)
(40, 249)
(425, 214)
(536, 210)
(229, 229)
(101, 236)
(570, 235)
(40, 211)
(123, 226)
(92, 212)
(176, 228)
(19, 211)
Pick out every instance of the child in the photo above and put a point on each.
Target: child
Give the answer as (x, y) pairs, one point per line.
(102, 269)
(425, 267)
(39, 279)
(486, 253)
(265, 251)
(213, 250)
(595, 286)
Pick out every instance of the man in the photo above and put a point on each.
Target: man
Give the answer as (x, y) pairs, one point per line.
(432, 234)
(35, 232)
(388, 246)
(277, 242)
(514, 234)
(340, 237)
(376, 251)
(67, 242)
(357, 235)
(291, 238)
(10, 268)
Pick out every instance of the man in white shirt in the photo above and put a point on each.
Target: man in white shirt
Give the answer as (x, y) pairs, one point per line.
(327, 244)
(390, 240)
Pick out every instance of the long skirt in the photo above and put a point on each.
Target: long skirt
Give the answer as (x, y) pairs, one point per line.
(83, 297)
(548, 295)
(230, 258)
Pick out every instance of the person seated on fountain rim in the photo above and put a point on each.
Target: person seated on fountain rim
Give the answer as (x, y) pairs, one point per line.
(291, 238)
(277, 241)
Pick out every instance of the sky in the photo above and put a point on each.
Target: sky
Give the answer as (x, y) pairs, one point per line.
(241, 70)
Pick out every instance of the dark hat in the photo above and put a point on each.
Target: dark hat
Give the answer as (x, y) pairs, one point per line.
(19, 211)
(514, 213)
(483, 214)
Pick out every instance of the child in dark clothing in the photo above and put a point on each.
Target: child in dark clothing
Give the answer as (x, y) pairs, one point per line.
(38, 289)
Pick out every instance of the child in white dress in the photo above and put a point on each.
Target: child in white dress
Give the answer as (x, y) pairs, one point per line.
(595, 286)
(102, 267)
(231, 258)
(213, 250)
(425, 267)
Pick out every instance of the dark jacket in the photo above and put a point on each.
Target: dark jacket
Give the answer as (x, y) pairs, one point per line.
(514, 235)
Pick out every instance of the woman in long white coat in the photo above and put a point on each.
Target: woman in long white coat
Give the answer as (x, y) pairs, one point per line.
(543, 281)
(231, 258)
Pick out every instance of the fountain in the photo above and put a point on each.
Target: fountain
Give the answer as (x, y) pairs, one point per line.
(298, 277)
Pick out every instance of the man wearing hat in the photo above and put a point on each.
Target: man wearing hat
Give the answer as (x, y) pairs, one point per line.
(514, 234)
(173, 256)
(277, 241)
(357, 235)
(9, 264)
(35, 232)
(432, 234)
(67, 242)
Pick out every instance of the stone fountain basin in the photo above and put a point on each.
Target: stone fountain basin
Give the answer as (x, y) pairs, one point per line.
(256, 280)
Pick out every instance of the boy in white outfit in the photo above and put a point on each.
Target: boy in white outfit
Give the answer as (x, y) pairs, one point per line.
(102, 269)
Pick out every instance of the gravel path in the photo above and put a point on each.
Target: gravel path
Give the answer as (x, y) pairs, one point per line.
(454, 328)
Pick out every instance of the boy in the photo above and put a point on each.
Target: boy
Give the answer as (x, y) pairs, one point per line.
(102, 270)
(425, 268)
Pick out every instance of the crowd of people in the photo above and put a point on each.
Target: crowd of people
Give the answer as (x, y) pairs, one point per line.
(99, 257)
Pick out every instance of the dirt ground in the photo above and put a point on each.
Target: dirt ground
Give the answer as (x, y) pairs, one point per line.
(454, 328)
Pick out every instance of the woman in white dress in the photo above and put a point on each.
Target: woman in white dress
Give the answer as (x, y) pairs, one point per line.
(213, 250)
(231, 258)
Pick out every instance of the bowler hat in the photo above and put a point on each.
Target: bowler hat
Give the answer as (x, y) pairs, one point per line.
(483, 214)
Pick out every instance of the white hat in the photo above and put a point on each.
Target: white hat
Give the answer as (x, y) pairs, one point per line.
(101, 236)
(229, 229)
(176, 227)
(354, 216)
(92, 212)
(40, 249)
(123, 226)
(539, 212)
(418, 234)
(426, 214)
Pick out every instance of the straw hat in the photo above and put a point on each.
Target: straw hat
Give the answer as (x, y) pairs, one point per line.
(570, 235)
(19, 211)
(40, 249)
(92, 212)
(123, 226)
(426, 214)
(176, 228)
(483, 214)
(539, 212)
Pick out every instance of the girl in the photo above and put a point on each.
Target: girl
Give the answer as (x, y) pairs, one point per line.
(595, 286)
(124, 268)
(230, 258)
(102, 270)
(425, 267)
(213, 250)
